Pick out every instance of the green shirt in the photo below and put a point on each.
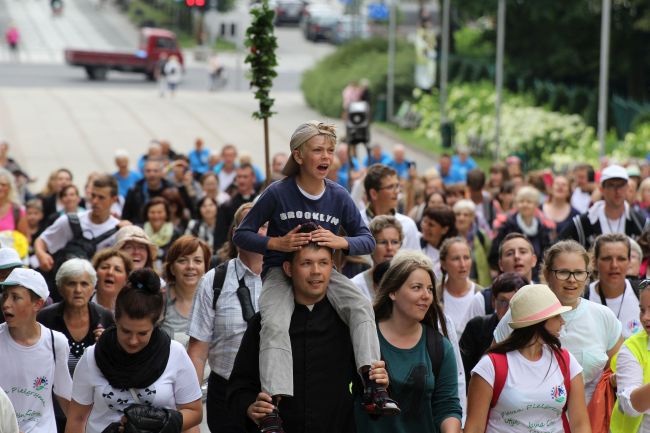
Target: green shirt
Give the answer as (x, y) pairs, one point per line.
(425, 400)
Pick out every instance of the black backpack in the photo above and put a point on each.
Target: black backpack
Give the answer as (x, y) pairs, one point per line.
(79, 246)
(434, 349)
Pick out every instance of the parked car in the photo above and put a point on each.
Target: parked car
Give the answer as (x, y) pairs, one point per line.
(350, 27)
(289, 11)
(153, 42)
(314, 12)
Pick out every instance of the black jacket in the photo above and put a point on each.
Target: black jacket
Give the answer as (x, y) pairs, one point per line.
(584, 232)
(136, 199)
(475, 340)
(323, 368)
(225, 217)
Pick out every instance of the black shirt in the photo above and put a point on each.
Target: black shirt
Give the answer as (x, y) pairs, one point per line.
(323, 368)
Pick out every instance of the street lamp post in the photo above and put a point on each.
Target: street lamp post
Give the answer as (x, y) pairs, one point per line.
(390, 82)
(604, 73)
(444, 61)
(501, 33)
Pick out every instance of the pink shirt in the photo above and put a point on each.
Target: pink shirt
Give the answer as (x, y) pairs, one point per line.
(7, 222)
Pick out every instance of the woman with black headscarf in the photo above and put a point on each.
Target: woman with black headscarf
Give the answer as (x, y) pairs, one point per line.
(135, 370)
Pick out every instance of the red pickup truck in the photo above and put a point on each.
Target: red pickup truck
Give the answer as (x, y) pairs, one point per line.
(153, 42)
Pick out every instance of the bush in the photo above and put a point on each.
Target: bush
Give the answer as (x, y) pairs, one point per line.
(545, 138)
(322, 85)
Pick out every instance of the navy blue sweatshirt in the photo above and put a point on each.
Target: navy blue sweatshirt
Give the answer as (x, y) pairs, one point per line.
(284, 207)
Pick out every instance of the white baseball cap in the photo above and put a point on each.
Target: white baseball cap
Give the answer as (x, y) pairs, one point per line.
(29, 279)
(9, 258)
(613, 172)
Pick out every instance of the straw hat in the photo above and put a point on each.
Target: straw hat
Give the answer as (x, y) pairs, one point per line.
(135, 234)
(533, 304)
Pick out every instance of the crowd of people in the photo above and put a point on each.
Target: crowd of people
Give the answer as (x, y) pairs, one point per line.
(341, 294)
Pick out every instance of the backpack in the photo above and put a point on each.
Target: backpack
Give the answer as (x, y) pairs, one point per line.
(79, 246)
(243, 292)
(434, 348)
(487, 300)
(500, 362)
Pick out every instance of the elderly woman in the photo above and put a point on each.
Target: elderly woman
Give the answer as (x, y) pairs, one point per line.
(387, 231)
(112, 267)
(80, 320)
(187, 261)
(526, 219)
(136, 244)
(468, 228)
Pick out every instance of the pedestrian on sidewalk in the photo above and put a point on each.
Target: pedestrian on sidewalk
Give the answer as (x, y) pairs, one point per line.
(159, 73)
(12, 36)
(173, 74)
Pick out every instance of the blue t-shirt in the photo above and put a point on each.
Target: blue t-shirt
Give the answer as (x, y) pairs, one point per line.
(199, 160)
(402, 168)
(343, 172)
(384, 159)
(284, 207)
(454, 175)
(425, 400)
(463, 167)
(125, 183)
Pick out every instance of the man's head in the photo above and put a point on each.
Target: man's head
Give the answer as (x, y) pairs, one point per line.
(279, 159)
(198, 144)
(382, 187)
(613, 186)
(154, 150)
(516, 254)
(228, 156)
(309, 269)
(445, 164)
(399, 153)
(475, 180)
(376, 152)
(245, 179)
(153, 172)
(103, 193)
(342, 152)
(122, 159)
(581, 174)
(504, 288)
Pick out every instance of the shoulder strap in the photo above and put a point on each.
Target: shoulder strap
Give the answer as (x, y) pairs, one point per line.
(434, 349)
(53, 350)
(217, 282)
(75, 225)
(195, 228)
(635, 218)
(577, 221)
(16, 210)
(97, 240)
(564, 361)
(500, 362)
(487, 299)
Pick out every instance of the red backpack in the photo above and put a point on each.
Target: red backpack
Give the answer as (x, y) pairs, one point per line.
(500, 362)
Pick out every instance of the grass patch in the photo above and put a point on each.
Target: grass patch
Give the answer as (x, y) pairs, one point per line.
(140, 12)
(410, 138)
(223, 46)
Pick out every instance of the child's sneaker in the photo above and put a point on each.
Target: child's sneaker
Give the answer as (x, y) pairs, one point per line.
(272, 423)
(376, 401)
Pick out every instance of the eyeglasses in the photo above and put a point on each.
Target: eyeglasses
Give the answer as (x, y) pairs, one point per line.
(392, 187)
(564, 274)
(503, 303)
(385, 242)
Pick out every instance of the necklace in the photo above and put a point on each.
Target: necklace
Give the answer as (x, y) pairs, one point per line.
(618, 224)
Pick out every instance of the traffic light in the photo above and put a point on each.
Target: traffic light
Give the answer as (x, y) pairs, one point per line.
(195, 3)
(357, 125)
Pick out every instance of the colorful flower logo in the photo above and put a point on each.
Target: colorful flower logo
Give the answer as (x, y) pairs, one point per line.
(634, 326)
(558, 393)
(40, 383)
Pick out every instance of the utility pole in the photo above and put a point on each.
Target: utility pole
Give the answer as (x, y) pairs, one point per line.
(605, 24)
(444, 60)
(501, 34)
(390, 82)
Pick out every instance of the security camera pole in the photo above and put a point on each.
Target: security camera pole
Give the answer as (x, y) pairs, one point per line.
(357, 131)
(261, 41)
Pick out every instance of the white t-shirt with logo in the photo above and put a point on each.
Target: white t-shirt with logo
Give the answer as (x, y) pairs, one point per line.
(29, 375)
(60, 233)
(176, 386)
(533, 396)
(589, 332)
(625, 307)
(456, 308)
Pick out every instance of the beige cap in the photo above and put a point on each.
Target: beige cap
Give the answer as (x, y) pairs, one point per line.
(533, 304)
(135, 234)
(303, 133)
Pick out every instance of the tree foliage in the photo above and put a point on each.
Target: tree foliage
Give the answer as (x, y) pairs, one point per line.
(559, 40)
(261, 42)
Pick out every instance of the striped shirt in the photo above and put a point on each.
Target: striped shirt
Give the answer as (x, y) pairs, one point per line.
(223, 327)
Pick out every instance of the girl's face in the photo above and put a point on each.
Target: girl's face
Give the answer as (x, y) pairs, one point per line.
(414, 297)
(70, 200)
(138, 252)
(387, 243)
(208, 210)
(561, 187)
(17, 306)
(612, 264)
(570, 290)
(315, 157)
(496, 178)
(157, 216)
(432, 231)
(133, 334)
(554, 324)
(111, 275)
(189, 269)
(34, 216)
(435, 199)
(458, 262)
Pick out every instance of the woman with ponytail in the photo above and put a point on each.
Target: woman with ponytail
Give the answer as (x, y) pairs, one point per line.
(135, 371)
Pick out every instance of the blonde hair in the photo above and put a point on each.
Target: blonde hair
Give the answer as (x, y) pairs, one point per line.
(527, 192)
